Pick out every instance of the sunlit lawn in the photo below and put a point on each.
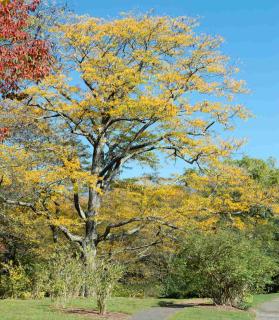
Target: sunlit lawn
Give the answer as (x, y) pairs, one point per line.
(46, 310)
(205, 313)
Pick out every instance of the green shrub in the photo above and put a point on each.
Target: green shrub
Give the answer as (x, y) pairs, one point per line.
(224, 266)
(246, 302)
(39, 275)
(138, 290)
(65, 277)
(128, 291)
(103, 280)
(14, 281)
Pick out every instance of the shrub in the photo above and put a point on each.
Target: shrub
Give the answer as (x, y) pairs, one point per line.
(224, 266)
(103, 280)
(68, 277)
(14, 281)
(39, 275)
(65, 278)
(128, 291)
(138, 290)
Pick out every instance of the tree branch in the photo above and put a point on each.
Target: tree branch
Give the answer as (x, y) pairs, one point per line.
(72, 237)
(108, 236)
(18, 203)
(78, 207)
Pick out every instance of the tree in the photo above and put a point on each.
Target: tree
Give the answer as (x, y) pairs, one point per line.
(264, 172)
(145, 86)
(23, 55)
(227, 193)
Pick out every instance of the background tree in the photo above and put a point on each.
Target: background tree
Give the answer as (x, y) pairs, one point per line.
(23, 55)
(264, 172)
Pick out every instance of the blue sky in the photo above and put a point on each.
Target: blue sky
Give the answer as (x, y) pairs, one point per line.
(251, 32)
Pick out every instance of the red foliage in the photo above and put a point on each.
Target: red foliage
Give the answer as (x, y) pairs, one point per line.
(4, 132)
(22, 56)
(2, 247)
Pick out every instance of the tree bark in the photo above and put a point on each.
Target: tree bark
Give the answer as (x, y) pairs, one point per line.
(89, 243)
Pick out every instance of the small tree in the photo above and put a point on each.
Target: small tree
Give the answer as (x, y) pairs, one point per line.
(103, 280)
(65, 277)
(223, 266)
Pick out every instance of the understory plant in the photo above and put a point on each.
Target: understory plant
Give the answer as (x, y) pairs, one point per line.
(224, 266)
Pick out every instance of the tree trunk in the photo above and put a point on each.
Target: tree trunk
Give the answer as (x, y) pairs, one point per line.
(89, 255)
(90, 252)
(91, 233)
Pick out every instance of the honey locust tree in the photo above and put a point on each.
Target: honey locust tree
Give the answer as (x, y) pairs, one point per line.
(227, 195)
(127, 90)
(140, 198)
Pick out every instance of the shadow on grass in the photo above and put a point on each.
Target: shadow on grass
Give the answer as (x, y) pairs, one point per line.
(170, 304)
(94, 314)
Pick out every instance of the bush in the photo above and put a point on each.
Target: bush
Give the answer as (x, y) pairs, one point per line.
(65, 277)
(103, 281)
(224, 266)
(14, 282)
(138, 290)
(39, 275)
(69, 277)
(128, 291)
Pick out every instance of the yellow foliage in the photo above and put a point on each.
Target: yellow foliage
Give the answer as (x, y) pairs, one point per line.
(126, 90)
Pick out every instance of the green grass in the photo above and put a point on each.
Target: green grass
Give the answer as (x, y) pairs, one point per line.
(125, 305)
(261, 298)
(45, 310)
(204, 313)
(32, 310)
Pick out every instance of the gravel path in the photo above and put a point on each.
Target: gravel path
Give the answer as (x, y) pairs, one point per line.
(268, 310)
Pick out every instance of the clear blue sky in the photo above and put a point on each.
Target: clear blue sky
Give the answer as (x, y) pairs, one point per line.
(251, 31)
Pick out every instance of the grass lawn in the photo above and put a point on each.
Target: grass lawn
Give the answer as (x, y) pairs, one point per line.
(125, 305)
(207, 313)
(31, 310)
(261, 298)
(45, 310)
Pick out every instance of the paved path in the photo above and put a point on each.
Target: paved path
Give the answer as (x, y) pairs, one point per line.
(268, 310)
(156, 313)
